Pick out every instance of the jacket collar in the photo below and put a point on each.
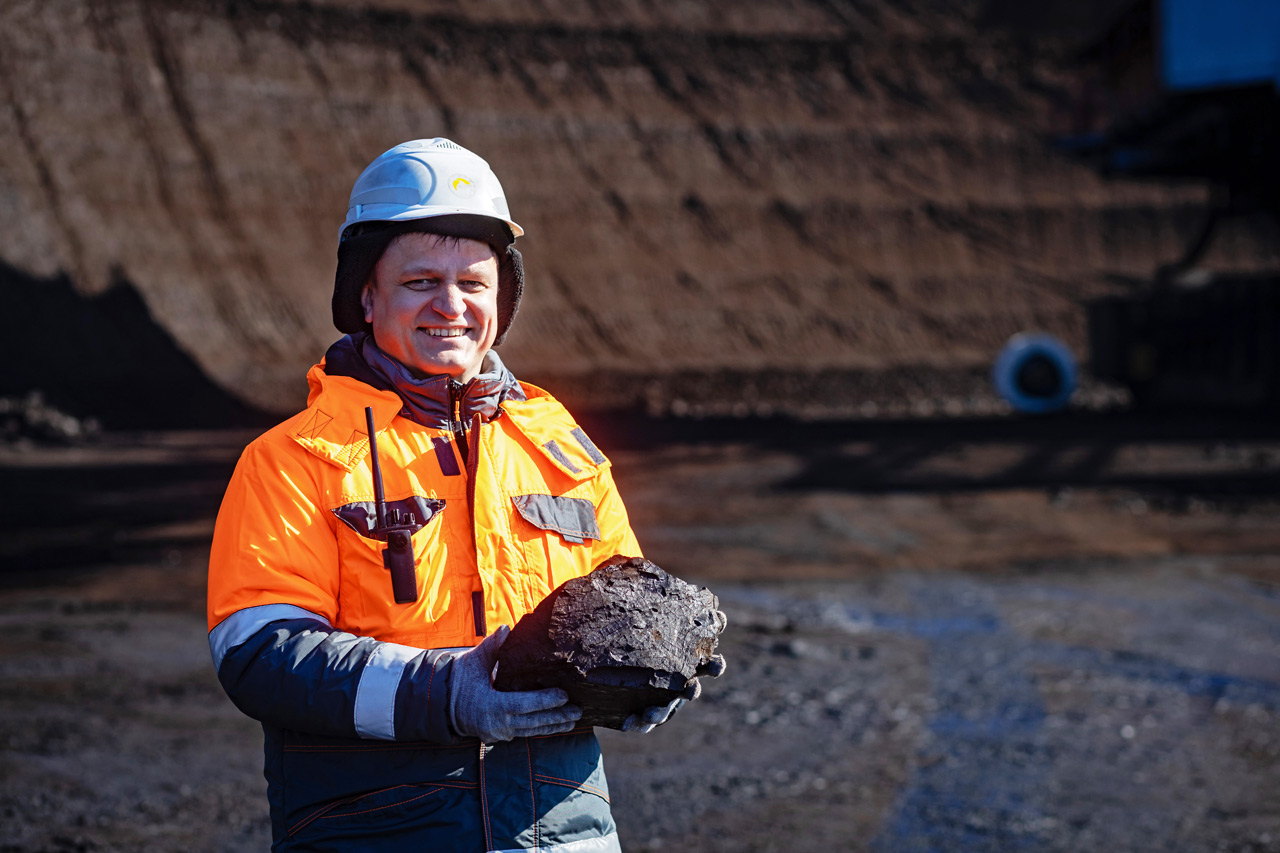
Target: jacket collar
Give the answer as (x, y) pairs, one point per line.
(430, 401)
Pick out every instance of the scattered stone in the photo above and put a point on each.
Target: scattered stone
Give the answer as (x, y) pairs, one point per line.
(32, 419)
(623, 638)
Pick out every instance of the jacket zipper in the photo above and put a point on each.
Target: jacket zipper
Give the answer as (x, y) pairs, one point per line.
(456, 392)
(473, 465)
(470, 456)
(484, 803)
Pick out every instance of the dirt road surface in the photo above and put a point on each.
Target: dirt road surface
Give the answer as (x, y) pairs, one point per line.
(966, 634)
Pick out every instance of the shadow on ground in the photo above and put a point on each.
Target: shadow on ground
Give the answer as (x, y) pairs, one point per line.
(134, 497)
(1239, 454)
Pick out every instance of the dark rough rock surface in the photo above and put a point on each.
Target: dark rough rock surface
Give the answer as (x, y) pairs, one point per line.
(625, 637)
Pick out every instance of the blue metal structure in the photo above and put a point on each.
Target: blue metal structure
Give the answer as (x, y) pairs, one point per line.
(1191, 88)
(1208, 44)
(1194, 93)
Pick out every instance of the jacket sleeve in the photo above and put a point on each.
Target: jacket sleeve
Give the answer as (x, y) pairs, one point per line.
(616, 536)
(273, 598)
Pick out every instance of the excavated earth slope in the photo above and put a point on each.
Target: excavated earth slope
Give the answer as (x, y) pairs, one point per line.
(709, 189)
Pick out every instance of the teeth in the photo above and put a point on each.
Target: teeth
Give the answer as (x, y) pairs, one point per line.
(446, 333)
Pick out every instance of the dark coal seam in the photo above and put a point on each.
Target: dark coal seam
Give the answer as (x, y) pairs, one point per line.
(371, 25)
(796, 53)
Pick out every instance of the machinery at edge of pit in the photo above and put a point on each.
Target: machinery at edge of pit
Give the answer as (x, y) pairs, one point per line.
(1184, 89)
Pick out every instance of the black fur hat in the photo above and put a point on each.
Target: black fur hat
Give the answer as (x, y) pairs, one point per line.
(362, 245)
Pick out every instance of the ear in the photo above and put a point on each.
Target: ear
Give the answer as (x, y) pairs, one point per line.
(366, 300)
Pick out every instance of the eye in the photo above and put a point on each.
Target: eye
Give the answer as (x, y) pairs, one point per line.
(473, 285)
(418, 283)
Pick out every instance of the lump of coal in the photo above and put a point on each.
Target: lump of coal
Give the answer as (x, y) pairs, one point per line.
(625, 637)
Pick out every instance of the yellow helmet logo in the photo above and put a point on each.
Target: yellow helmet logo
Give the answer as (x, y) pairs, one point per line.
(462, 186)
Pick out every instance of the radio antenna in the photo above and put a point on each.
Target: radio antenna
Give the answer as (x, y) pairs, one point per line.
(379, 501)
(397, 557)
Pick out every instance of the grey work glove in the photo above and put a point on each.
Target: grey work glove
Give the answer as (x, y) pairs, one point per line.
(655, 715)
(477, 709)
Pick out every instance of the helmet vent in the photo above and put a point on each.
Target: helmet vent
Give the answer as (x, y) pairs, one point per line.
(451, 146)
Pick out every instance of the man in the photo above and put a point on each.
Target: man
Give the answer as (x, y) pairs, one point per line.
(382, 728)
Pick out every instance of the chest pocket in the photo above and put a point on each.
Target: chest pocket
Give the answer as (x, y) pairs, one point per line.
(362, 516)
(557, 535)
(366, 601)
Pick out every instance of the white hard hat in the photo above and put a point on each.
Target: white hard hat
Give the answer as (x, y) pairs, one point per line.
(424, 178)
(429, 185)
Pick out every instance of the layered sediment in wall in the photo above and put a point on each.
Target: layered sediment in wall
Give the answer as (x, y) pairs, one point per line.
(725, 188)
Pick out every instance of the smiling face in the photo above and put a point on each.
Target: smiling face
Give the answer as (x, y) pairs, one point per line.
(433, 304)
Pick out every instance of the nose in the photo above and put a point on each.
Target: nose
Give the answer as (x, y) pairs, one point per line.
(447, 301)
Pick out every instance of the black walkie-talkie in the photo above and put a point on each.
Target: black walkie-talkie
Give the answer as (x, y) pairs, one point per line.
(397, 557)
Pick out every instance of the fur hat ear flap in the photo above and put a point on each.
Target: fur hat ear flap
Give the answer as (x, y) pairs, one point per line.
(510, 289)
(357, 257)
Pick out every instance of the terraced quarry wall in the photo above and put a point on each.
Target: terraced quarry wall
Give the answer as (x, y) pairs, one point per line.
(776, 189)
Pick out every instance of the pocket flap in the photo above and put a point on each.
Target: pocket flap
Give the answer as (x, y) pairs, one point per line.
(572, 518)
(362, 516)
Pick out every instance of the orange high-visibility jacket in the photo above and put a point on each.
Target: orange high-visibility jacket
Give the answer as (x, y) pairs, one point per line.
(509, 524)
(307, 637)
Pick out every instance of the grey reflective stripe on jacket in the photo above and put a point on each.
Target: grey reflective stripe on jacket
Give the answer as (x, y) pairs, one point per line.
(375, 712)
(240, 626)
(606, 844)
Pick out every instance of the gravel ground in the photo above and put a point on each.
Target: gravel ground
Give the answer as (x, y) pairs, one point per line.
(1124, 708)
(958, 655)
